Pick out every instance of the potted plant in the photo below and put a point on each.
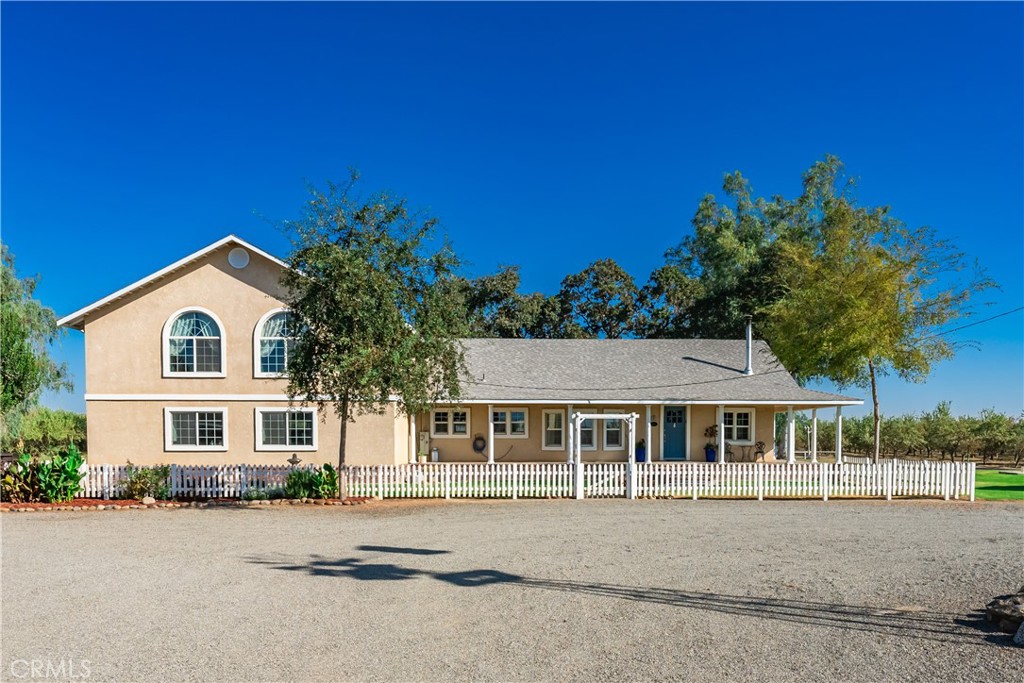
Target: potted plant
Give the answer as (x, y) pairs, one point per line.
(641, 451)
(711, 433)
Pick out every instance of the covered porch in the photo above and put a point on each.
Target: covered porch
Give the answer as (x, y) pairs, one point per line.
(717, 432)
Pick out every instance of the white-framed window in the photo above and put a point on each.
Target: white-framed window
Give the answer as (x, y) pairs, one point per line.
(195, 429)
(273, 341)
(739, 426)
(286, 429)
(613, 434)
(193, 344)
(587, 440)
(449, 424)
(511, 423)
(554, 430)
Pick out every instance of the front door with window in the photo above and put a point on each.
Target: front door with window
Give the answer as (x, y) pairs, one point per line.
(675, 433)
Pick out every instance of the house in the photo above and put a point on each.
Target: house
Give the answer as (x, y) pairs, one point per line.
(188, 365)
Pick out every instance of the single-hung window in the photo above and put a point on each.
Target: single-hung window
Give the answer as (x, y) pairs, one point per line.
(195, 429)
(193, 345)
(511, 422)
(554, 430)
(450, 423)
(739, 425)
(285, 429)
(587, 435)
(613, 435)
(276, 341)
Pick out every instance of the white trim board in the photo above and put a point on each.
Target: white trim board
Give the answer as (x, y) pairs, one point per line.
(75, 319)
(202, 397)
(644, 402)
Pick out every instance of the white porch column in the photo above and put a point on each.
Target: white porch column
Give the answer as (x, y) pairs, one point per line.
(414, 437)
(814, 435)
(570, 453)
(490, 434)
(721, 434)
(839, 434)
(647, 437)
(576, 422)
(790, 436)
(631, 465)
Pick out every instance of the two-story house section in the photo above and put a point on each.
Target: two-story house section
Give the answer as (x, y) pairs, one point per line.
(188, 365)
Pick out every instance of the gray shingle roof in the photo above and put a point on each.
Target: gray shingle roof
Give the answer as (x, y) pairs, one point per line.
(624, 370)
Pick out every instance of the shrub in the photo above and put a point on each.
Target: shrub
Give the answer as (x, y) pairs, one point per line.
(275, 492)
(254, 494)
(60, 477)
(45, 433)
(20, 483)
(55, 480)
(299, 484)
(312, 483)
(140, 482)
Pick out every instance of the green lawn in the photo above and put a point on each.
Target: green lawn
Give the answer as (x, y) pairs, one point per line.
(993, 485)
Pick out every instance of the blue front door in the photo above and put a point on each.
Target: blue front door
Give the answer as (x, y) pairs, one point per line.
(675, 434)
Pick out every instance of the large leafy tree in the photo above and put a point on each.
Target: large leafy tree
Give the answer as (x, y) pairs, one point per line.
(495, 308)
(601, 301)
(27, 328)
(725, 269)
(379, 311)
(863, 294)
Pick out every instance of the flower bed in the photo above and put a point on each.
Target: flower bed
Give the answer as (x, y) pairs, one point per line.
(97, 504)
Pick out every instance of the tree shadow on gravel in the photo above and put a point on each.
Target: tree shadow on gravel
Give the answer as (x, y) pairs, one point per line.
(910, 623)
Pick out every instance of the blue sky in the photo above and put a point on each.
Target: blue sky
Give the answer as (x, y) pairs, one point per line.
(544, 135)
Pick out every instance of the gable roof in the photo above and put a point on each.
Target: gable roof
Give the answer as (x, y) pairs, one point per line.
(615, 371)
(77, 319)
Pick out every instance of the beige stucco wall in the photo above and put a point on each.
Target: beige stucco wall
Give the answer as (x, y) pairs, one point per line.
(507, 449)
(120, 431)
(513, 449)
(124, 359)
(124, 355)
(702, 417)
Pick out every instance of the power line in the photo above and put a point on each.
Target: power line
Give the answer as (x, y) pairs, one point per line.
(977, 322)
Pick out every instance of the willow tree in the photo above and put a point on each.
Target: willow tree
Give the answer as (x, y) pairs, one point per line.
(27, 328)
(379, 316)
(863, 294)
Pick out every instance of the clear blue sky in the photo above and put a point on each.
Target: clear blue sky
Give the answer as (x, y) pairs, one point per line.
(541, 135)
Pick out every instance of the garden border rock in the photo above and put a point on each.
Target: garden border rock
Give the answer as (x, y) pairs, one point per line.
(90, 504)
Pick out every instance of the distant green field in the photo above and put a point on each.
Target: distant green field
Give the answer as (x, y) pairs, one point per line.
(993, 485)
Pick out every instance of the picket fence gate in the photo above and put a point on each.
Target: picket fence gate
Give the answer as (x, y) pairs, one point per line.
(888, 479)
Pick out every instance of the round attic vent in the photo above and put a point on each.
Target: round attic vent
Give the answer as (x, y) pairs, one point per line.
(238, 258)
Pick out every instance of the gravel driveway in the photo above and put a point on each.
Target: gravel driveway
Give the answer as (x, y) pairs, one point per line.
(514, 591)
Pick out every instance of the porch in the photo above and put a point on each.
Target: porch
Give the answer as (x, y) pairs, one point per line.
(692, 431)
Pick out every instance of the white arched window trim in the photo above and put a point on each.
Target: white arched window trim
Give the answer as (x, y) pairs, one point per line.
(165, 346)
(256, 372)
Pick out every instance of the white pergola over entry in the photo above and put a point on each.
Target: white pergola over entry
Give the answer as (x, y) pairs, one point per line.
(574, 443)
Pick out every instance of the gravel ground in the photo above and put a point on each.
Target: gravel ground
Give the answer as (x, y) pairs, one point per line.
(514, 591)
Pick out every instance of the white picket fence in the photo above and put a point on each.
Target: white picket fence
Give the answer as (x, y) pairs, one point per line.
(892, 478)
(463, 480)
(665, 480)
(191, 481)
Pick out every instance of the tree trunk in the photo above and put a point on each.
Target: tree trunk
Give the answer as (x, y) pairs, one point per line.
(878, 417)
(342, 479)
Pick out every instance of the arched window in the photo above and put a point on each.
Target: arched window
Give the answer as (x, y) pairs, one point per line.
(275, 340)
(193, 345)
